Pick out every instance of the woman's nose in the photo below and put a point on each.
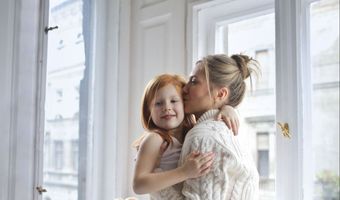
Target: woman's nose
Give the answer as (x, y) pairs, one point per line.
(185, 89)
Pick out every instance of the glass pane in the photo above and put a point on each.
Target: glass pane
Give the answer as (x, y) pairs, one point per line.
(65, 68)
(256, 37)
(325, 78)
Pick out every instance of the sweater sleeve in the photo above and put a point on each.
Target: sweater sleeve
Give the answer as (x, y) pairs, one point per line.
(214, 184)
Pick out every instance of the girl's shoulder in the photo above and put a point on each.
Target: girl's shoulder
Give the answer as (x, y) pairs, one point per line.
(151, 139)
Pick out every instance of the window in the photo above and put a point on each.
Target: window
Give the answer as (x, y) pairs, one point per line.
(59, 94)
(65, 70)
(58, 155)
(258, 121)
(75, 154)
(79, 38)
(324, 30)
(61, 44)
(263, 154)
(267, 78)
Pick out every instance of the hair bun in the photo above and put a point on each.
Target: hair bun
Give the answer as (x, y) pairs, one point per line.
(242, 62)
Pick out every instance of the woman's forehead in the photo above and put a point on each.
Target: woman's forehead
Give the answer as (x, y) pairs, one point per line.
(198, 70)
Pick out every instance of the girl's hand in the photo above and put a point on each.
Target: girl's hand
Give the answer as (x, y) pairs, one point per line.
(197, 164)
(230, 118)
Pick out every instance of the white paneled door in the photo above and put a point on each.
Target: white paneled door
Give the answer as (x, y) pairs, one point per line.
(157, 46)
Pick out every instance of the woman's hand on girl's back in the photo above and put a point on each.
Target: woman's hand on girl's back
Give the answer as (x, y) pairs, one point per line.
(197, 164)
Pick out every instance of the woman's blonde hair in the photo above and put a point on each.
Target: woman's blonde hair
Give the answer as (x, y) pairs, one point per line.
(150, 92)
(223, 71)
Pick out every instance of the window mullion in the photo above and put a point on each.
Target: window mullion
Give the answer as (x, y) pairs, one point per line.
(293, 99)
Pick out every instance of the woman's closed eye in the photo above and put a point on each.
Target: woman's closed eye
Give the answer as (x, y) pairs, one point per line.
(193, 80)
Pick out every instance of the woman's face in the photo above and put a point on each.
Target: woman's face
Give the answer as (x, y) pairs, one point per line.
(196, 93)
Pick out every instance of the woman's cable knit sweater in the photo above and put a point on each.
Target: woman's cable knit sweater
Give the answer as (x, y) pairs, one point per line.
(233, 175)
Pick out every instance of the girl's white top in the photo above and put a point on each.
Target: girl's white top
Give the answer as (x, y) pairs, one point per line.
(170, 157)
(233, 175)
(169, 160)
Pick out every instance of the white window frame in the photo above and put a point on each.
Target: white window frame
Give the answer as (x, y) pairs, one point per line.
(23, 81)
(294, 179)
(108, 85)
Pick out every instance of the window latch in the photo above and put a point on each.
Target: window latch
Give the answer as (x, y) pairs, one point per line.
(285, 129)
(47, 29)
(40, 189)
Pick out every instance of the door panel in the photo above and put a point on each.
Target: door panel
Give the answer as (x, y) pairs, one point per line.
(157, 46)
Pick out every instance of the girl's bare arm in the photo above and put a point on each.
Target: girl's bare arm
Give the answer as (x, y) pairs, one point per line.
(230, 117)
(147, 181)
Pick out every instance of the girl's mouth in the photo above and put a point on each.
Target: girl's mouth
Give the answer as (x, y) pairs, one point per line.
(167, 116)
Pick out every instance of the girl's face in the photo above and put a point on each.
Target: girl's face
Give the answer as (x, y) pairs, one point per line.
(167, 110)
(196, 95)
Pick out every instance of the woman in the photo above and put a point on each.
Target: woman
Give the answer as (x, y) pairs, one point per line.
(217, 80)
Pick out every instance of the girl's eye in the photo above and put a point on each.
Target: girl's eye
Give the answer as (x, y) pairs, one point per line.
(158, 103)
(174, 101)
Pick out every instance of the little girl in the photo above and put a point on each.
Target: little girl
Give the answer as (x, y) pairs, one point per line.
(165, 122)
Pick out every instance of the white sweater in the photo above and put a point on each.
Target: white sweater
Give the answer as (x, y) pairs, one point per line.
(233, 175)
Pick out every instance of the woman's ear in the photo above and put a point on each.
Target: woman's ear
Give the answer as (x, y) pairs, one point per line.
(223, 93)
(221, 97)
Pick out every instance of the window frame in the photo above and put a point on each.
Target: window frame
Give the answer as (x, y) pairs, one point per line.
(293, 97)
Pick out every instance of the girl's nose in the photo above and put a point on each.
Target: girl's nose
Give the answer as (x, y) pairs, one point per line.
(167, 109)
